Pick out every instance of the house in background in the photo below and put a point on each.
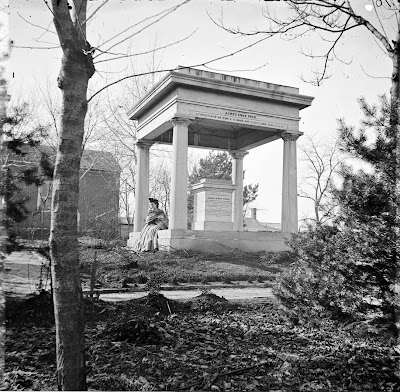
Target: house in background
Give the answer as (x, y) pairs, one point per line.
(252, 224)
(98, 213)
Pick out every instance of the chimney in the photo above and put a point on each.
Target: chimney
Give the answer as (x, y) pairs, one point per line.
(253, 213)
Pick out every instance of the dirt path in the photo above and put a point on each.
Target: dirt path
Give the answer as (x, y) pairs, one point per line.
(232, 294)
(26, 272)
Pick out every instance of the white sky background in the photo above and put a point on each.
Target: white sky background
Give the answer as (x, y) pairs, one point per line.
(336, 98)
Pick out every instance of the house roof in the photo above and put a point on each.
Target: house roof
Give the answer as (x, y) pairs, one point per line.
(251, 224)
(91, 159)
(270, 226)
(99, 160)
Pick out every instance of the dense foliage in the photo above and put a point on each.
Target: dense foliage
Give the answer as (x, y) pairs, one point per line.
(347, 270)
(17, 176)
(214, 165)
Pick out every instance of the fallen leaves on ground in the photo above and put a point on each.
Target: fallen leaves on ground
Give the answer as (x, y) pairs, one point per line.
(207, 344)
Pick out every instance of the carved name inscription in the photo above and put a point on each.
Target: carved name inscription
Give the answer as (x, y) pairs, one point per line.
(218, 207)
(242, 118)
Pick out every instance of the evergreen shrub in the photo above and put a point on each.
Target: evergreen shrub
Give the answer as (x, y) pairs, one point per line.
(347, 270)
(345, 273)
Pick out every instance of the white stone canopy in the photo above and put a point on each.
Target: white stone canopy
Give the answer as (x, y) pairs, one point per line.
(196, 108)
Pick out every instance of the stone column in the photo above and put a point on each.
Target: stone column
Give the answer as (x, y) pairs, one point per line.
(237, 179)
(142, 185)
(179, 175)
(289, 219)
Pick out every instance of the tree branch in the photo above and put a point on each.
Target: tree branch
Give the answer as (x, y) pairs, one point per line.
(35, 25)
(94, 12)
(361, 21)
(122, 55)
(326, 16)
(35, 47)
(173, 69)
(166, 13)
(237, 70)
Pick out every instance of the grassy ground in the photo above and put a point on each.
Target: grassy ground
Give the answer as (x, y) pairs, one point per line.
(119, 267)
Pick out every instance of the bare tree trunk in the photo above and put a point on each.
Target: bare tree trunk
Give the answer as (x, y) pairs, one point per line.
(67, 292)
(76, 70)
(316, 211)
(395, 87)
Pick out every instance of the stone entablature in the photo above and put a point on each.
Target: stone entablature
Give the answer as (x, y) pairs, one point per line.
(226, 112)
(215, 81)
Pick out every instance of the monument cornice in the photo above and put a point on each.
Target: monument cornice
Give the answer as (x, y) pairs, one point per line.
(276, 93)
(246, 87)
(228, 187)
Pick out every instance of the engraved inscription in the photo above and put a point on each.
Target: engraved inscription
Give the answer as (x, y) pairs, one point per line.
(242, 118)
(218, 207)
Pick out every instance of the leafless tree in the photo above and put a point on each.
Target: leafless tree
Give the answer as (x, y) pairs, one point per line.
(321, 163)
(70, 21)
(50, 109)
(127, 194)
(76, 69)
(160, 183)
(331, 20)
(45, 105)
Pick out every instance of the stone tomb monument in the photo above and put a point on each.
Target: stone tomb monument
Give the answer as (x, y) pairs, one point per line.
(213, 205)
(196, 108)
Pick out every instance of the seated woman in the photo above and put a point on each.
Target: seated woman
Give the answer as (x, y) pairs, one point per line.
(155, 220)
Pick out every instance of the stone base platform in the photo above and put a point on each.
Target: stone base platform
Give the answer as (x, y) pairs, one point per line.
(217, 242)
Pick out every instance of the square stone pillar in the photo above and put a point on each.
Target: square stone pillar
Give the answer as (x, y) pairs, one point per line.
(179, 175)
(142, 185)
(237, 180)
(289, 184)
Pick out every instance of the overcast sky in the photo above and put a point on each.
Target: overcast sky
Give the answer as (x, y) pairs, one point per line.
(364, 72)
